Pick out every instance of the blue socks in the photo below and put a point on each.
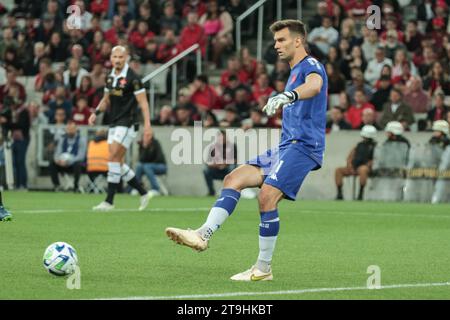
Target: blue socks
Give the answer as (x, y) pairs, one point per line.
(221, 210)
(268, 228)
(228, 200)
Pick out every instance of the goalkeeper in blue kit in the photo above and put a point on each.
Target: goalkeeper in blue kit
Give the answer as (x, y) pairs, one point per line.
(281, 171)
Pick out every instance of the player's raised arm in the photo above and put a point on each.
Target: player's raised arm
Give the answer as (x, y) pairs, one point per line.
(141, 98)
(311, 87)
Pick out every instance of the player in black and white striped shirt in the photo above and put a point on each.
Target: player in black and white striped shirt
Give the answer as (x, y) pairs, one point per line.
(125, 94)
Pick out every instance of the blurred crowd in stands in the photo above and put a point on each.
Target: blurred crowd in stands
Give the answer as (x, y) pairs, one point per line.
(51, 73)
(399, 72)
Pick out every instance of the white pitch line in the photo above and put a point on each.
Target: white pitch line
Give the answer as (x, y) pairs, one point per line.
(377, 214)
(283, 292)
(115, 210)
(355, 213)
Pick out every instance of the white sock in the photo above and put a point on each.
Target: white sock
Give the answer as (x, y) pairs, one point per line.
(114, 172)
(266, 248)
(216, 218)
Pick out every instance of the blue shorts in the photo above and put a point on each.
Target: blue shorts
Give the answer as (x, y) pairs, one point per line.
(285, 168)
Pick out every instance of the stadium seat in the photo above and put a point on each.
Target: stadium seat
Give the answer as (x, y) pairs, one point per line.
(441, 192)
(66, 181)
(418, 117)
(97, 185)
(354, 182)
(388, 174)
(422, 172)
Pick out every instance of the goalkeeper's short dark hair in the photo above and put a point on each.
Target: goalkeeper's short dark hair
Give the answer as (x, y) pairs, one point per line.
(294, 26)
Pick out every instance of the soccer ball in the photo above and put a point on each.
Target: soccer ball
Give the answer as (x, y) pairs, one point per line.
(60, 259)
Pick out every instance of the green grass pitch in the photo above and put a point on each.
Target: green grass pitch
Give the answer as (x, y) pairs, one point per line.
(322, 244)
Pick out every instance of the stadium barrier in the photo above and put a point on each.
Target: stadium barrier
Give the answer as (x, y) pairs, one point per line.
(187, 179)
(157, 77)
(441, 192)
(388, 173)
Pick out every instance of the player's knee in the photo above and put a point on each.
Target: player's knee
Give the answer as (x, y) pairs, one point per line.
(267, 200)
(113, 158)
(231, 181)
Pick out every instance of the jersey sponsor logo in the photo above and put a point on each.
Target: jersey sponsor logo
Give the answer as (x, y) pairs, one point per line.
(116, 92)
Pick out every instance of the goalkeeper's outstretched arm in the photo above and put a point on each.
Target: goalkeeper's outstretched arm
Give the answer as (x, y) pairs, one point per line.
(311, 87)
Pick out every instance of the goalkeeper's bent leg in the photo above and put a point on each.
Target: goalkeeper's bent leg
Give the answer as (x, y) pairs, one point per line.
(221, 210)
(243, 177)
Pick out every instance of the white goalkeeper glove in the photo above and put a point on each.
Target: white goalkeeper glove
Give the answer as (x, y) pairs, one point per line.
(280, 100)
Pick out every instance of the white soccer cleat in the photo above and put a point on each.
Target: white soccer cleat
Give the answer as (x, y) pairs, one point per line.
(155, 193)
(103, 206)
(145, 200)
(253, 274)
(189, 238)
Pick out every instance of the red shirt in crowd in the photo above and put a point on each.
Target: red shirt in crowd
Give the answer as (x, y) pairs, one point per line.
(357, 8)
(259, 92)
(439, 114)
(400, 36)
(354, 114)
(438, 38)
(191, 35)
(166, 52)
(105, 61)
(99, 7)
(81, 117)
(206, 99)
(94, 52)
(48, 95)
(89, 94)
(4, 90)
(250, 68)
(139, 40)
(112, 36)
